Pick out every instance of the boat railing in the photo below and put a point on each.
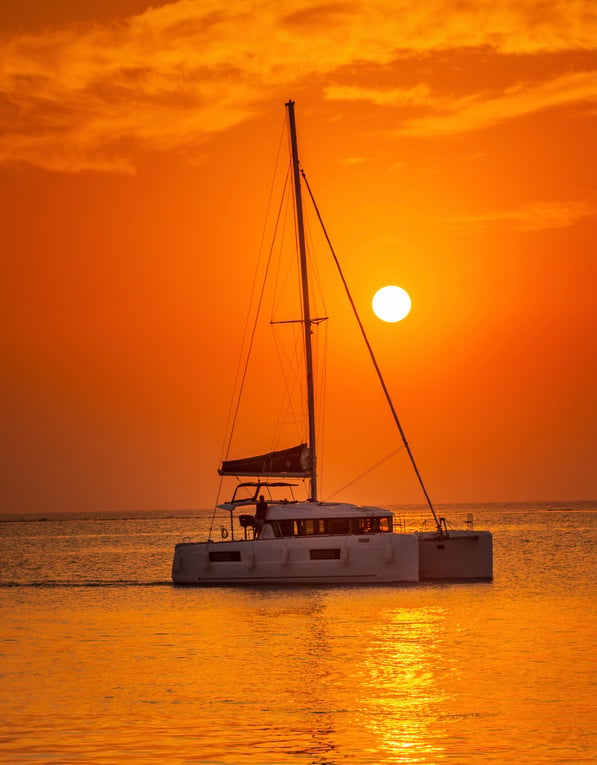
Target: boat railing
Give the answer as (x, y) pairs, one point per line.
(399, 524)
(445, 527)
(441, 527)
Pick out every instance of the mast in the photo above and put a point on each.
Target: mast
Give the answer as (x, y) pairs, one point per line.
(305, 294)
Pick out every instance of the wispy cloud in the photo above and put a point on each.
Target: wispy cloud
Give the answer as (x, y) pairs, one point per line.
(462, 115)
(80, 97)
(473, 112)
(418, 95)
(354, 160)
(536, 216)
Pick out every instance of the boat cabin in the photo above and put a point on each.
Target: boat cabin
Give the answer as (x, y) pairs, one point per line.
(275, 518)
(339, 525)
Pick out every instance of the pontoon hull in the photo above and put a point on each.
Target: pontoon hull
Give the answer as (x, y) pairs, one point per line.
(376, 558)
(464, 555)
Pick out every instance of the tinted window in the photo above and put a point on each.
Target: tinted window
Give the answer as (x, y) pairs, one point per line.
(338, 526)
(370, 525)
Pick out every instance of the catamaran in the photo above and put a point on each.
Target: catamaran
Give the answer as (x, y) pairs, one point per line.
(274, 539)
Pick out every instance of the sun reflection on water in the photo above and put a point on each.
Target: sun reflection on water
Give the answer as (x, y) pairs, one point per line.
(402, 697)
(370, 679)
(465, 673)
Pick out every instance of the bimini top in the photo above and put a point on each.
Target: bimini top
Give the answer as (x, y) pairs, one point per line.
(254, 489)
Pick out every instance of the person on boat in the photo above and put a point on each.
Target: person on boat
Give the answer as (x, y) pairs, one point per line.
(260, 513)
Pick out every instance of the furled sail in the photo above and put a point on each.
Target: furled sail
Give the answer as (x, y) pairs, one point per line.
(294, 462)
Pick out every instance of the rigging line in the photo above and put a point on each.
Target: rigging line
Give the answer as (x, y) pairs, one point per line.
(254, 330)
(292, 364)
(231, 421)
(366, 472)
(291, 378)
(284, 271)
(232, 418)
(318, 295)
(372, 355)
(213, 515)
(323, 391)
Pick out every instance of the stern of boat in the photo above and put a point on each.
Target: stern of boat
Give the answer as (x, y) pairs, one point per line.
(459, 555)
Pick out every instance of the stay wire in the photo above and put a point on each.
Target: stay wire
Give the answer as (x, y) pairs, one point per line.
(372, 355)
(251, 340)
(366, 472)
(233, 414)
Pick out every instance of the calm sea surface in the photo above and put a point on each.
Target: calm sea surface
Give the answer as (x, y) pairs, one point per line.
(102, 660)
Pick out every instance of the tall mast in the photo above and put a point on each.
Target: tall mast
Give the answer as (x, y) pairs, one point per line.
(305, 292)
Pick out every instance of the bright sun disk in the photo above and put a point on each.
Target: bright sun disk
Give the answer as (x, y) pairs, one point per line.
(391, 303)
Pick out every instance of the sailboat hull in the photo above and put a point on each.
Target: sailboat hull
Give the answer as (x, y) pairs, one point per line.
(462, 555)
(352, 559)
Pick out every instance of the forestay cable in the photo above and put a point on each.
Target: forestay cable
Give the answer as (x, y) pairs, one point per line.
(372, 355)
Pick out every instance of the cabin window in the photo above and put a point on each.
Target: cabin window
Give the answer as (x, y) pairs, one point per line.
(363, 525)
(370, 525)
(319, 526)
(309, 526)
(276, 528)
(338, 526)
(304, 527)
(286, 528)
(224, 556)
(325, 554)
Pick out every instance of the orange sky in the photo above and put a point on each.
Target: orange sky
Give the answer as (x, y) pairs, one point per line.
(452, 149)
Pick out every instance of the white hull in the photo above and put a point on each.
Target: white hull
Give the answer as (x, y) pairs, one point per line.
(460, 555)
(375, 558)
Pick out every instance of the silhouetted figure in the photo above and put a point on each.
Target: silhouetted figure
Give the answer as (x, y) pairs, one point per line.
(260, 513)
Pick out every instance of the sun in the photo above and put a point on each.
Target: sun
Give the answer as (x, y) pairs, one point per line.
(391, 303)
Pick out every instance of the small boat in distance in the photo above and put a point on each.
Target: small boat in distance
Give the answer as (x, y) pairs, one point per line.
(285, 541)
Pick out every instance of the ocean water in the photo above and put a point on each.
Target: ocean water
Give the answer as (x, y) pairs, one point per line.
(103, 660)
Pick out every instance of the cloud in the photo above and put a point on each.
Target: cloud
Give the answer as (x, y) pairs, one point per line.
(462, 115)
(451, 115)
(416, 96)
(84, 96)
(536, 216)
(354, 160)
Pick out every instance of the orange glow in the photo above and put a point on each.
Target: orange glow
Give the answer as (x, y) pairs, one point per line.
(458, 158)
